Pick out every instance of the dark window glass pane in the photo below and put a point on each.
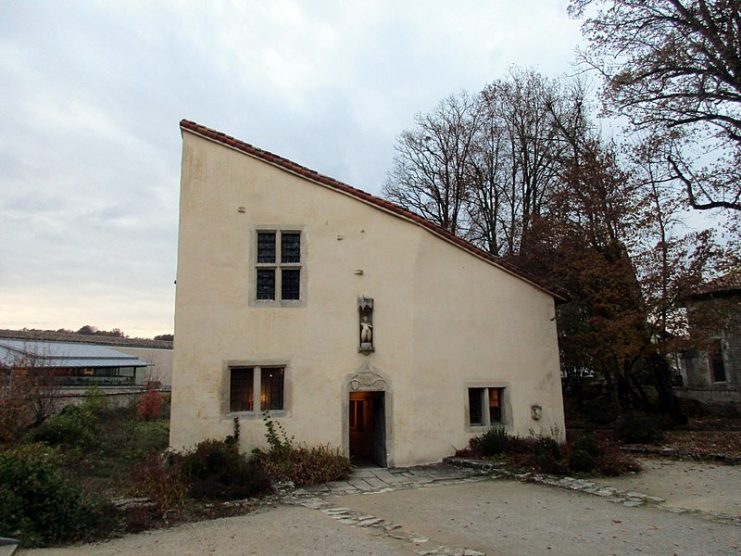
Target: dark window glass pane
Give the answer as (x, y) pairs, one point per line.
(271, 389)
(290, 279)
(716, 362)
(495, 405)
(241, 389)
(266, 247)
(265, 283)
(290, 247)
(474, 406)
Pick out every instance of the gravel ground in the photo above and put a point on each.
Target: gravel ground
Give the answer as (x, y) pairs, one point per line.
(494, 517)
(282, 530)
(511, 518)
(692, 485)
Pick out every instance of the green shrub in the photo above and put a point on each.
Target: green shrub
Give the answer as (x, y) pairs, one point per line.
(547, 455)
(95, 402)
(492, 442)
(633, 429)
(216, 470)
(305, 465)
(582, 453)
(587, 443)
(39, 506)
(520, 445)
(275, 435)
(74, 427)
(581, 461)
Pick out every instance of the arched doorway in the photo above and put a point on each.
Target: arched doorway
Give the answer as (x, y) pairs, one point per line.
(367, 418)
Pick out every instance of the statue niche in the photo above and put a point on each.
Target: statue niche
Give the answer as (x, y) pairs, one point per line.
(365, 325)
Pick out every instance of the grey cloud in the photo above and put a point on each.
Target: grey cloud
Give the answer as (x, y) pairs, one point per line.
(91, 94)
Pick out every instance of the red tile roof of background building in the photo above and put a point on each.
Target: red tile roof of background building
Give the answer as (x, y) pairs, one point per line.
(383, 204)
(728, 283)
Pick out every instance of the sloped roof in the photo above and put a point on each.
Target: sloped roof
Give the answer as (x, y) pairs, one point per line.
(382, 204)
(71, 337)
(726, 284)
(63, 354)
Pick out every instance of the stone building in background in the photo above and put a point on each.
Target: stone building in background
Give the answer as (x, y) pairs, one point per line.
(711, 373)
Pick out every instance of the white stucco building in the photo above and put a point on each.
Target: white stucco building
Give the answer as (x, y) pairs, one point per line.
(353, 321)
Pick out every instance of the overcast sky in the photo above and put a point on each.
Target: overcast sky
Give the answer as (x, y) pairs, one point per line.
(91, 94)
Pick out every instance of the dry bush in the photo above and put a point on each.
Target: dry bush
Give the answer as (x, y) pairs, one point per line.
(149, 407)
(305, 465)
(16, 415)
(586, 454)
(161, 483)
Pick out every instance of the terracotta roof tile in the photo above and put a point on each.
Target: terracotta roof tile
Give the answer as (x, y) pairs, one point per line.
(383, 204)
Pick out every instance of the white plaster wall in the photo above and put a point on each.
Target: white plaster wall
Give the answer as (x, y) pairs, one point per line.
(442, 317)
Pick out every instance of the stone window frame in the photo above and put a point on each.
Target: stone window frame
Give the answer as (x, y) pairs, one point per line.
(301, 266)
(505, 402)
(257, 367)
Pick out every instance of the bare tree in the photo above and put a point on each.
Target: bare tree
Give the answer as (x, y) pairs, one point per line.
(518, 157)
(674, 67)
(28, 390)
(429, 171)
(489, 173)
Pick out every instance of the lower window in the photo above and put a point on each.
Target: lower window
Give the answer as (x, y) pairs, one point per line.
(256, 388)
(485, 406)
(715, 359)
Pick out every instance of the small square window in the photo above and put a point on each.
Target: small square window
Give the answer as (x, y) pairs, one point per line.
(269, 394)
(485, 406)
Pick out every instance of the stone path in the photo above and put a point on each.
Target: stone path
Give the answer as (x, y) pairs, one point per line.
(380, 479)
(377, 480)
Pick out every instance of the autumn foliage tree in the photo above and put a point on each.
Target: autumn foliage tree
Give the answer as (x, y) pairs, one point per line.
(673, 68)
(539, 187)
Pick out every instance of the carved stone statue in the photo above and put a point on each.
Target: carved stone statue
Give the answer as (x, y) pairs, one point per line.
(365, 312)
(366, 331)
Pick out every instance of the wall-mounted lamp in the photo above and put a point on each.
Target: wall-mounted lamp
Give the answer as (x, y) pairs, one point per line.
(536, 412)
